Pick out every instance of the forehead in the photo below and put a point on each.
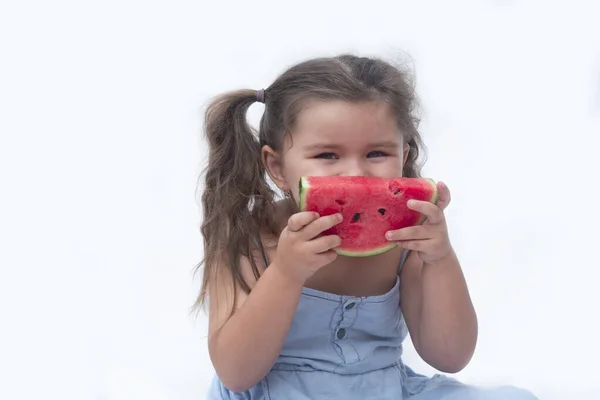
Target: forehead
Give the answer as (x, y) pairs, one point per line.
(341, 121)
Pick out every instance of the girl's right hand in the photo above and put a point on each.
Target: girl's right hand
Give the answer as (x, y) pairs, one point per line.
(301, 251)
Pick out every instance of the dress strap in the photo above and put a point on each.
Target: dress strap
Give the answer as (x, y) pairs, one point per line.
(403, 260)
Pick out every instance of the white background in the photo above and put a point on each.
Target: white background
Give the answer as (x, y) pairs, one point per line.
(100, 118)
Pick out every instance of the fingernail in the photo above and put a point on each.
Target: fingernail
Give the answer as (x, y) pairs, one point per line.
(388, 235)
(340, 217)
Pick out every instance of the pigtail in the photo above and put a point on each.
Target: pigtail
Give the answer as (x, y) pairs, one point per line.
(235, 190)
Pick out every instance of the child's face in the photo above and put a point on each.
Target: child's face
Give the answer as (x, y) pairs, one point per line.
(339, 138)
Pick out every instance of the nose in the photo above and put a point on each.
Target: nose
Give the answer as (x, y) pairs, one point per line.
(355, 168)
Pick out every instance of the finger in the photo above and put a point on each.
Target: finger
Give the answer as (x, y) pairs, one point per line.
(416, 245)
(324, 243)
(299, 220)
(320, 225)
(431, 211)
(444, 196)
(410, 233)
(328, 257)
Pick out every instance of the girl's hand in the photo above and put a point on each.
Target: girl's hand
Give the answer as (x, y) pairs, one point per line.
(301, 251)
(429, 240)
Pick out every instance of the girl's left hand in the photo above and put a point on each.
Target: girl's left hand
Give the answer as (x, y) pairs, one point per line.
(430, 240)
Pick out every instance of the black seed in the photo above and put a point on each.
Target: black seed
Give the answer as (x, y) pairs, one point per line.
(355, 217)
(396, 192)
(381, 211)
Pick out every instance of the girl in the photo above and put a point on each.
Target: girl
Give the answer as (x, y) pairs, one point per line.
(288, 318)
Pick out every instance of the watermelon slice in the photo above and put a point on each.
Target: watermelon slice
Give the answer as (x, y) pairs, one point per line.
(370, 206)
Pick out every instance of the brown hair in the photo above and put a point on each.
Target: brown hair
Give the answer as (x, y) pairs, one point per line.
(238, 203)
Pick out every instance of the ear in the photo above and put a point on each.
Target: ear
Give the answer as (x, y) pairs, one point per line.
(272, 162)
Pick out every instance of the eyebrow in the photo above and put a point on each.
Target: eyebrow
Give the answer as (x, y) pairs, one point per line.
(389, 144)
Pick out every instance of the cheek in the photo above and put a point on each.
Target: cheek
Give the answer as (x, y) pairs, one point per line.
(291, 175)
(391, 168)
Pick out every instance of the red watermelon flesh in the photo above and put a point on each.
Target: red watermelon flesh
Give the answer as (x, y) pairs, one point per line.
(370, 206)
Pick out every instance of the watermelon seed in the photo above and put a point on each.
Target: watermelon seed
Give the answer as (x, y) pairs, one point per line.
(396, 192)
(355, 217)
(381, 211)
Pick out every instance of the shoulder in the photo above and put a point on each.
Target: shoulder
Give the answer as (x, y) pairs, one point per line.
(229, 288)
(410, 267)
(226, 294)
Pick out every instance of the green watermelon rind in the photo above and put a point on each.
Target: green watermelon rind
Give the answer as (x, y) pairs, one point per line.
(304, 186)
(434, 199)
(369, 253)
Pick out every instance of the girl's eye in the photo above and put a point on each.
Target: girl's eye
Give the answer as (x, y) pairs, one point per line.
(327, 156)
(376, 154)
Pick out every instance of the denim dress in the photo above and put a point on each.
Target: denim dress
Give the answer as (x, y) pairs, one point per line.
(347, 347)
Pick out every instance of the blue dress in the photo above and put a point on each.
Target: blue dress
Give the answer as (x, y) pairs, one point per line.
(345, 347)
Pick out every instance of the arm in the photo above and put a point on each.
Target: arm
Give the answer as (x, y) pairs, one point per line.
(244, 347)
(438, 311)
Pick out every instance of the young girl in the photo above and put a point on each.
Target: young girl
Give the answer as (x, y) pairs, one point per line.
(289, 319)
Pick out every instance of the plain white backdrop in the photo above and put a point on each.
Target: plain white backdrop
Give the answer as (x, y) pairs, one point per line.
(101, 146)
